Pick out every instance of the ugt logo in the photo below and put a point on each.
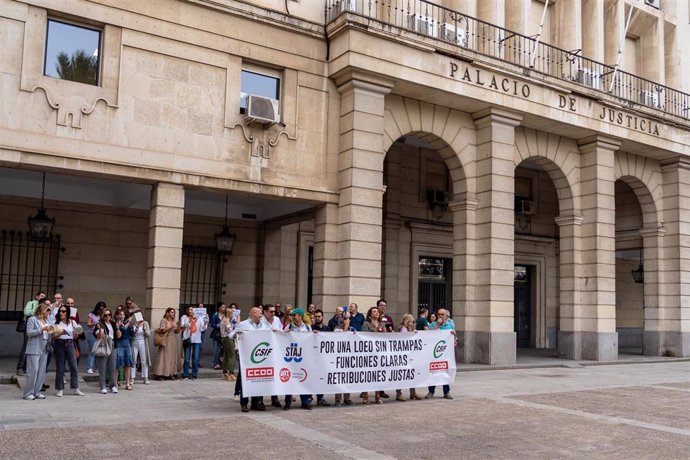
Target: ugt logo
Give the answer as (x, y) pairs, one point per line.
(293, 353)
(260, 353)
(439, 348)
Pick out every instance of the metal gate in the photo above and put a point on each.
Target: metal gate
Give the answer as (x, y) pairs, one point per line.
(202, 277)
(26, 267)
(434, 287)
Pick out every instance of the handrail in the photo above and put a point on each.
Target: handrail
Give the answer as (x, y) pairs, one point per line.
(463, 31)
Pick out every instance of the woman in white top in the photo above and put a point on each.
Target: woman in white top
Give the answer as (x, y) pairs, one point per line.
(407, 325)
(192, 327)
(107, 364)
(140, 348)
(65, 353)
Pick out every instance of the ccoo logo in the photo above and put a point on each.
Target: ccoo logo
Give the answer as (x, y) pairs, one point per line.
(439, 348)
(260, 353)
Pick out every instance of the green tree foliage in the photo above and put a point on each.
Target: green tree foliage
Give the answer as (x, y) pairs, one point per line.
(79, 67)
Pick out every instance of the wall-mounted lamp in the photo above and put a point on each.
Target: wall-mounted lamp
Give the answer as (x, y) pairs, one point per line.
(225, 240)
(40, 225)
(437, 200)
(638, 273)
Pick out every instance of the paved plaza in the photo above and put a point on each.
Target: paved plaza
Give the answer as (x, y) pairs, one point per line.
(637, 410)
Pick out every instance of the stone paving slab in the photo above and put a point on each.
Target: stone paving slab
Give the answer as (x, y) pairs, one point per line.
(214, 438)
(588, 412)
(653, 405)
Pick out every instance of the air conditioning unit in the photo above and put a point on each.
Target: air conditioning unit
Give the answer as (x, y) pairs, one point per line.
(588, 77)
(525, 207)
(650, 99)
(453, 34)
(421, 25)
(262, 109)
(346, 5)
(653, 3)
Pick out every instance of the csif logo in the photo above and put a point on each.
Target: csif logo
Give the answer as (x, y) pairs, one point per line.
(439, 348)
(260, 352)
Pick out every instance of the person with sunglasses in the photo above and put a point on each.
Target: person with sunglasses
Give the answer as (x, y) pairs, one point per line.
(107, 364)
(65, 352)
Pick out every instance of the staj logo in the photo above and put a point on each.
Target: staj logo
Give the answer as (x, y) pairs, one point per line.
(439, 348)
(293, 353)
(260, 353)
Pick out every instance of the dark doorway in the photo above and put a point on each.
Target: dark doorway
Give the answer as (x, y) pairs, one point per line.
(434, 287)
(202, 277)
(523, 305)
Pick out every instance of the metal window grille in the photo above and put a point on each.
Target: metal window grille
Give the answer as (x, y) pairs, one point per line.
(434, 287)
(26, 267)
(202, 277)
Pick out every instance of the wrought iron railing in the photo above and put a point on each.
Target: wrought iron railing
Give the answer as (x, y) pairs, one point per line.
(435, 21)
(26, 267)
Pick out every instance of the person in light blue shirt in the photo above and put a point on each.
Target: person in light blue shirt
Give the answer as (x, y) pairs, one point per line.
(443, 323)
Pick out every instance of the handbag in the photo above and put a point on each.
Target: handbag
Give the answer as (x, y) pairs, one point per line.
(21, 325)
(159, 338)
(49, 347)
(186, 342)
(102, 347)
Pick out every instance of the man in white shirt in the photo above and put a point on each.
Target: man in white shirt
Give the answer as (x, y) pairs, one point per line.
(253, 323)
(270, 318)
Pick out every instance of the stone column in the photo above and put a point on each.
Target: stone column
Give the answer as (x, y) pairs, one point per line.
(464, 234)
(593, 334)
(360, 182)
(164, 266)
(567, 25)
(490, 312)
(325, 290)
(569, 252)
(652, 240)
(593, 30)
(673, 336)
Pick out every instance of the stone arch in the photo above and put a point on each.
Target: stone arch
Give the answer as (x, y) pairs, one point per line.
(643, 176)
(558, 156)
(451, 132)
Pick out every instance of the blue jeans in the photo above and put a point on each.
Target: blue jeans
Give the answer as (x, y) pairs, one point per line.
(91, 360)
(217, 348)
(193, 351)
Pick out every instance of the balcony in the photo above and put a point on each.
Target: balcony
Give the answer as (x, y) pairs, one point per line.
(470, 35)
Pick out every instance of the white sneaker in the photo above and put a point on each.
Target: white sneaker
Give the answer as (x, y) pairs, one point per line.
(30, 397)
(89, 371)
(40, 396)
(146, 382)
(59, 394)
(104, 391)
(78, 392)
(113, 389)
(236, 398)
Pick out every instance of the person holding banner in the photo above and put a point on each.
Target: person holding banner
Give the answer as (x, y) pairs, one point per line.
(356, 319)
(254, 323)
(269, 317)
(443, 323)
(192, 328)
(298, 325)
(373, 324)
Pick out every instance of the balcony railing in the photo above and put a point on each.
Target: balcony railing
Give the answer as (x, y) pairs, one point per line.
(431, 20)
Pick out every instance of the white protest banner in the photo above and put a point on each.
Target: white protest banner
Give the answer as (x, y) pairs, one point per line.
(278, 363)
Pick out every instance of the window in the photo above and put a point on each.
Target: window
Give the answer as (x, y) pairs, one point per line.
(260, 85)
(72, 52)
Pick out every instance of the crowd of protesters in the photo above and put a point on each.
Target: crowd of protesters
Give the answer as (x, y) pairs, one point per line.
(118, 343)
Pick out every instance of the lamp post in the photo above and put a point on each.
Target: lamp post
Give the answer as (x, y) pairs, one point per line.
(225, 240)
(40, 225)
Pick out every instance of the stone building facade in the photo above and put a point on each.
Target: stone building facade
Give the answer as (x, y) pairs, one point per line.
(500, 158)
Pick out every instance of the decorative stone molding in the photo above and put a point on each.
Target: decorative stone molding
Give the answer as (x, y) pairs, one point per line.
(260, 140)
(72, 101)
